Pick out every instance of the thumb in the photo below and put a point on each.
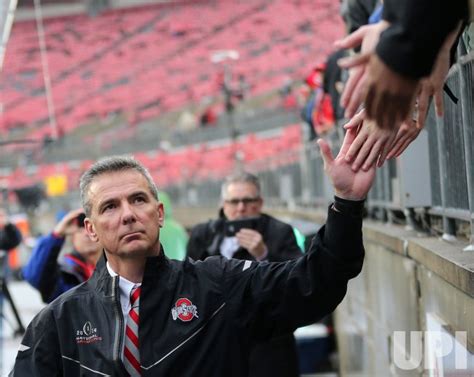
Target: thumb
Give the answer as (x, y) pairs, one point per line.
(353, 61)
(326, 153)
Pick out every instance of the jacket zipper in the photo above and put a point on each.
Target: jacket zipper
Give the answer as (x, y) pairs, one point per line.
(119, 323)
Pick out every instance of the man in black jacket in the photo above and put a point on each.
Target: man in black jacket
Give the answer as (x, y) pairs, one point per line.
(195, 318)
(269, 240)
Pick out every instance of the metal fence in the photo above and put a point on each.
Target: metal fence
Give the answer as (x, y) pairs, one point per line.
(434, 177)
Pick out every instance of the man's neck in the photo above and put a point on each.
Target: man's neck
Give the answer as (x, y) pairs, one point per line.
(130, 269)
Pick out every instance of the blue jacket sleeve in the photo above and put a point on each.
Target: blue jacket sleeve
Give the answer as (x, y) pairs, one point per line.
(42, 270)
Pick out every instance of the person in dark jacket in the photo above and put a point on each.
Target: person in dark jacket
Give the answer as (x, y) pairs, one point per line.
(52, 276)
(10, 236)
(271, 240)
(192, 318)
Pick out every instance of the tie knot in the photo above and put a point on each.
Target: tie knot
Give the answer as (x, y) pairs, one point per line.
(134, 295)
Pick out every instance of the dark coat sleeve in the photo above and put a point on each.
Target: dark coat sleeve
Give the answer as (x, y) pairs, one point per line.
(39, 354)
(276, 298)
(410, 45)
(10, 237)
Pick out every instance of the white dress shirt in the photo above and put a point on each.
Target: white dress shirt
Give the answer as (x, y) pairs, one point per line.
(229, 246)
(125, 288)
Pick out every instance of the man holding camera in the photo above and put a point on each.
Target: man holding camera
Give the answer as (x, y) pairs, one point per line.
(52, 276)
(242, 231)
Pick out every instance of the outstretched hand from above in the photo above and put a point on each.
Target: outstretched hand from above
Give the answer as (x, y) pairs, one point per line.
(348, 184)
(375, 145)
(367, 38)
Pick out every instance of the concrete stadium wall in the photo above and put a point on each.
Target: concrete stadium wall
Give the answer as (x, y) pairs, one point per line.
(407, 279)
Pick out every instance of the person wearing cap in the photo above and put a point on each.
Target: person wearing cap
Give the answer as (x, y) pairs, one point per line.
(53, 275)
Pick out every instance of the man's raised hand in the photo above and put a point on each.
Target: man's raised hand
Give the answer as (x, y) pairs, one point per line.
(347, 183)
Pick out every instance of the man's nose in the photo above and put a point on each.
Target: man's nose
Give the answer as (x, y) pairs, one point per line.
(241, 206)
(128, 216)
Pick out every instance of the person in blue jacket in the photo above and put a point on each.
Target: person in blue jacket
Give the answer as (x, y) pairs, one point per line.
(53, 275)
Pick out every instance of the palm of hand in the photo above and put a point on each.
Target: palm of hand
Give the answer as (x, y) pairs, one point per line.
(347, 183)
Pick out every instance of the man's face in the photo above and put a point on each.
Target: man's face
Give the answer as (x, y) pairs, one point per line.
(125, 216)
(242, 200)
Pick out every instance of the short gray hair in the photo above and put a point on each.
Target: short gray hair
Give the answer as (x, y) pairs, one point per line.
(109, 165)
(242, 177)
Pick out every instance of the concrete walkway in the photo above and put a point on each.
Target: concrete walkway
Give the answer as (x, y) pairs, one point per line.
(28, 302)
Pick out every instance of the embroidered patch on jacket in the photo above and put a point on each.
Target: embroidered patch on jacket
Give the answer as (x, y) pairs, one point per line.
(88, 334)
(184, 310)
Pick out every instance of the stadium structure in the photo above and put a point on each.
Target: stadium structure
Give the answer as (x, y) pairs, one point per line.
(84, 79)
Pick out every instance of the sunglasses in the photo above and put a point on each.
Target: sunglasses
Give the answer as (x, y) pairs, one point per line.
(244, 201)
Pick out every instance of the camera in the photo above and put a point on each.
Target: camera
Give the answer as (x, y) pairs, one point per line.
(231, 227)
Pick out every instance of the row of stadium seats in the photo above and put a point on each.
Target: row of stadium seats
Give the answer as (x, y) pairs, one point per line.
(192, 163)
(146, 61)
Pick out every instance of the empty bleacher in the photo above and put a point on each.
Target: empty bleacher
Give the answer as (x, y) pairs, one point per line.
(197, 162)
(149, 60)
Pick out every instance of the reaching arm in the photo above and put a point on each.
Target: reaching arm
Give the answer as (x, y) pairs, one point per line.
(42, 270)
(272, 298)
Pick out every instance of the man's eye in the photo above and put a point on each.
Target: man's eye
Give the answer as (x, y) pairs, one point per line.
(108, 207)
(139, 199)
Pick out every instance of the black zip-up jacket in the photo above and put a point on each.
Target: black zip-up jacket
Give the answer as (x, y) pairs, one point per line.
(206, 239)
(196, 318)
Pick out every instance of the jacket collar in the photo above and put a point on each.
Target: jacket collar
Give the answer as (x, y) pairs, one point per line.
(102, 281)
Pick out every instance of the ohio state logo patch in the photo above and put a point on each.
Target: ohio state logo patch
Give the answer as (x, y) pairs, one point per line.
(184, 310)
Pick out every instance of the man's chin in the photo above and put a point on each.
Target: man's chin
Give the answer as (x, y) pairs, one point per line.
(137, 249)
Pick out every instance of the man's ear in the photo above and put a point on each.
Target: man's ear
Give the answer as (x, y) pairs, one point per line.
(161, 214)
(90, 230)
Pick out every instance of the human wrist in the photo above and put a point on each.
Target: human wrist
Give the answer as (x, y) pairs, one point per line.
(351, 197)
(348, 206)
(57, 235)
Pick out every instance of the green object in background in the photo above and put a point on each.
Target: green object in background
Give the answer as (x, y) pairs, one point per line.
(300, 239)
(173, 236)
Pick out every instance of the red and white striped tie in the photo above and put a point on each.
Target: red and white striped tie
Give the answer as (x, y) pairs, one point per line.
(131, 355)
